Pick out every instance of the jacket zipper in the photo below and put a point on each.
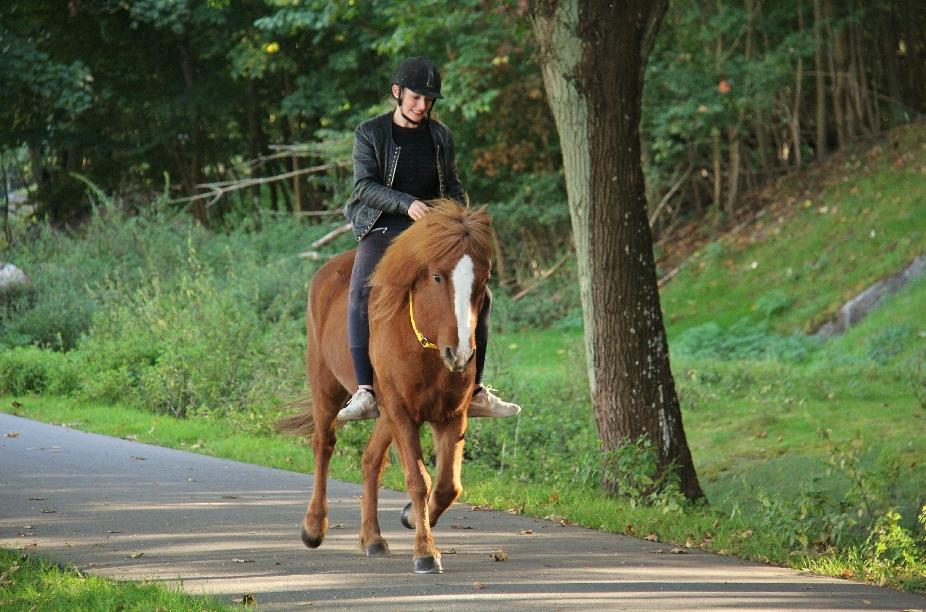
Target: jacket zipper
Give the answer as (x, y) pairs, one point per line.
(389, 181)
(440, 172)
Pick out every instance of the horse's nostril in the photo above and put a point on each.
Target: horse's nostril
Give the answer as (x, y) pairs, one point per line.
(448, 353)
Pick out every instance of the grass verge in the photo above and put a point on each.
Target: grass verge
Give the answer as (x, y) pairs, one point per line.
(28, 583)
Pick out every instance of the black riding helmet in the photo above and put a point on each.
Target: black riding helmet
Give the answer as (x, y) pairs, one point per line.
(420, 75)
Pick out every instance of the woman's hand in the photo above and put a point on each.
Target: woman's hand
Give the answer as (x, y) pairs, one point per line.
(418, 209)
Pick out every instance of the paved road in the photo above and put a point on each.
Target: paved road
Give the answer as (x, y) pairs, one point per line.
(230, 528)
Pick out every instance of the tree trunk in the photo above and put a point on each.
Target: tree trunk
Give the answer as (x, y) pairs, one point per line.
(592, 56)
(818, 80)
(798, 89)
(836, 82)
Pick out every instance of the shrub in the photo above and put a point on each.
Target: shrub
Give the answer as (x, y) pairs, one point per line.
(25, 370)
(888, 342)
(745, 339)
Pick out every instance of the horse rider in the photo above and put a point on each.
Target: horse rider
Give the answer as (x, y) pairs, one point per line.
(401, 159)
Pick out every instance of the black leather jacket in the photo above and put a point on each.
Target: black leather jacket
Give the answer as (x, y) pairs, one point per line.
(375, 158)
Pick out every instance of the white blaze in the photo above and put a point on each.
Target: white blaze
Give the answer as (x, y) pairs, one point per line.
(462, 298)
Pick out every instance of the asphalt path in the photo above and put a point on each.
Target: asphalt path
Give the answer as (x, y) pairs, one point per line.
(133, 511)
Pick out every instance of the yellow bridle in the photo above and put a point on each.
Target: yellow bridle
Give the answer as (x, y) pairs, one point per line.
(411, 315)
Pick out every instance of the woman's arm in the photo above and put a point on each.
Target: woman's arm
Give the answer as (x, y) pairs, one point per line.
(368, 182)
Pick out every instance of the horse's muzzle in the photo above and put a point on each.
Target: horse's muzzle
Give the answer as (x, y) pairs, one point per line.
(455, 361)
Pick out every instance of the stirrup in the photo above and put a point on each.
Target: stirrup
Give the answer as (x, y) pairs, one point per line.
(362, 405)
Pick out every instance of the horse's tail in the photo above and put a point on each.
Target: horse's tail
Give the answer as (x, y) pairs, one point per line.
(302, 423)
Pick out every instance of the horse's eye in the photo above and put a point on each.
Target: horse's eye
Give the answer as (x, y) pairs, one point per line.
(437, 278)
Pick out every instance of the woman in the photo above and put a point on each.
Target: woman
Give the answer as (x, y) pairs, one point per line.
(401, 159)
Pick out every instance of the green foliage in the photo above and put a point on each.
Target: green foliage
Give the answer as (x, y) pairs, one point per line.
(916, 376)
(32, 583)
(888, 342)
(632, 472)
(26, 370)
(159, 313)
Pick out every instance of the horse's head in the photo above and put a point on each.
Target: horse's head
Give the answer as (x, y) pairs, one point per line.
(443, 263)
(448, 295)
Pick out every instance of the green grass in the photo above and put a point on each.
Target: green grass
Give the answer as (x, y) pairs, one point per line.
(808, 257)
(29, 583)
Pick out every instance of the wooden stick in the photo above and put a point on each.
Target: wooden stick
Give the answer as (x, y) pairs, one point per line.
(331, 236)
(547, 274)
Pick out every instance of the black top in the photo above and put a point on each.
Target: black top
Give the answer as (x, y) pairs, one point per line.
(416, 171)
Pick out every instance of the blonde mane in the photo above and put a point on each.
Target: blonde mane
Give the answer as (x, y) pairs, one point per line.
(447, 230)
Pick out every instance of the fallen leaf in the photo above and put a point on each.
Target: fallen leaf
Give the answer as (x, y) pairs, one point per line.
(132, 437)
(48, 511)
(338, 526)
(479, 585)
(245, 600)
(136, 555)
(458, 526)
(36, 499)
(16, 404)
(4, 577)
(677, 550)
(12, 434)
(229, 497)
(527, 532)
(652, 537)
(746, 534)
(113, 531)
(689, 543)
(499, 555)
(628, 529)
(236, 560)
(136, 458)
(449, 551)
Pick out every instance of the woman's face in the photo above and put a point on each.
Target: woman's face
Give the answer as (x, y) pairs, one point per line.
(414, 105)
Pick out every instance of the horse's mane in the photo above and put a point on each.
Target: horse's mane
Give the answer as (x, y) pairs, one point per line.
(448, 229)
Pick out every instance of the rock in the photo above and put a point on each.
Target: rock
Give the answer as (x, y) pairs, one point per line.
(11, 276)
(858, 307)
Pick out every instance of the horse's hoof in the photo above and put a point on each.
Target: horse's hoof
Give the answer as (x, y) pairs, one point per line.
(311, 542)
(428, 565)
(406, 519)
(379, 549)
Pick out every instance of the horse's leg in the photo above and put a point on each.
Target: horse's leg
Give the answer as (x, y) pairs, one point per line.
(325, 407)
(448, 439)
(374, 462)
(418, 484)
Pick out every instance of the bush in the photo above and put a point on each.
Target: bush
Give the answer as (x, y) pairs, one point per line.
(888, 342)
(25, 370)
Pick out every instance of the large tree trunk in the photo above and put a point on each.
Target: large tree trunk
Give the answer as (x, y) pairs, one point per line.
(593, 55)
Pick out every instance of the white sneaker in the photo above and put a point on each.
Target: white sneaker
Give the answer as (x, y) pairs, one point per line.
(362, 405)
(487, 404)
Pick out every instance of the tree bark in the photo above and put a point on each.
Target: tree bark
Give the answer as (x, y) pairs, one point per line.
(592, 55)
(819, 84)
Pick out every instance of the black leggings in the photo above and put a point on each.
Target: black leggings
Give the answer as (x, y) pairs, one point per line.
(369, 252)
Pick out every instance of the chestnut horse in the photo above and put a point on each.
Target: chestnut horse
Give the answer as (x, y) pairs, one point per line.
(426, 294)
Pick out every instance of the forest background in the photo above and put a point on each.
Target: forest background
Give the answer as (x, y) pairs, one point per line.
(120, 121)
